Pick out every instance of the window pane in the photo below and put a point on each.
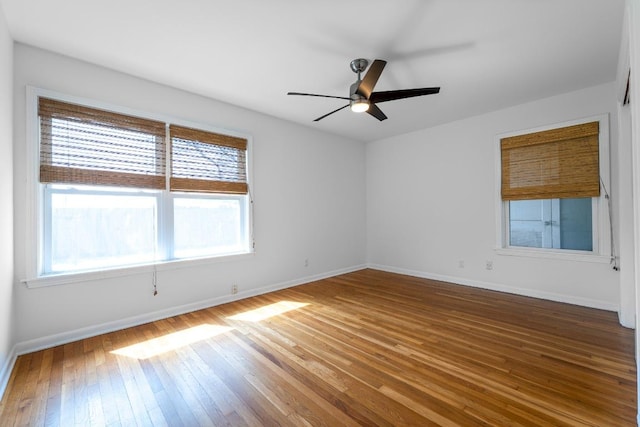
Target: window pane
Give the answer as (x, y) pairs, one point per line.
(92, 146)
(551, 223)
(94, 230)
(193, 159)
(208, 226)
(526, 226)
(576, 223)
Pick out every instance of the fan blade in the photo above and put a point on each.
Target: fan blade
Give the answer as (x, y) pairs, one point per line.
(391, 95)
(371, 78)
(376, 112)
(321, 96)
(328, 114)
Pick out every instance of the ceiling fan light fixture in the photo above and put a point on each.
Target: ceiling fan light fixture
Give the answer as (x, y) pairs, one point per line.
(359, 105)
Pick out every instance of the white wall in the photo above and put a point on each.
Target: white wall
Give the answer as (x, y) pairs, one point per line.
(431, 202)
(623, 215)
(6, 203)
(309, 193)
(633, 14)
(622, 176)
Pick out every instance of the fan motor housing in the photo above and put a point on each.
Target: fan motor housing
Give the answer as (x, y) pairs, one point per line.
(359, 65)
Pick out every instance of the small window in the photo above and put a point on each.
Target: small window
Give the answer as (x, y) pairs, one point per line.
(551, 189)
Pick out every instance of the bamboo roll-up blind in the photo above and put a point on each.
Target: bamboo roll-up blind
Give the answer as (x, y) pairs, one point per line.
(82, 145)
(558, 163)
(207, 162)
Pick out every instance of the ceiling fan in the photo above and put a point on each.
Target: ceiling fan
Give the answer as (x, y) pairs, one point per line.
(361, 95)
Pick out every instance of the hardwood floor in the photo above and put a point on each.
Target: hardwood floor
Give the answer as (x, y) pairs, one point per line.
(365, 348)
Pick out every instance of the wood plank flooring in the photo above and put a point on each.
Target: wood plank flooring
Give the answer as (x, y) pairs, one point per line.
(365, 348)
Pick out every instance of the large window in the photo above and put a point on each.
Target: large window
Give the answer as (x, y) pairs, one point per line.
(550, 191)
(120, 190)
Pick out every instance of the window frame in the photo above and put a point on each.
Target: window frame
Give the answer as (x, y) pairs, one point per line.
(601, 229)
(35, 199)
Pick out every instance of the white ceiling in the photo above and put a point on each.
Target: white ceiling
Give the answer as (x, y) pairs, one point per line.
(484, 54)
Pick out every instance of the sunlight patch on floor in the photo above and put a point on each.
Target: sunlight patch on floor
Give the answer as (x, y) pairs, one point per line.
(268, 311)
(170, 342)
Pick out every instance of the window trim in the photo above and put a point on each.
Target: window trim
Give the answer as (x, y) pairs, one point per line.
(601, 230)
(34, 234)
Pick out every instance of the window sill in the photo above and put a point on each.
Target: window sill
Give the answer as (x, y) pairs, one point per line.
(94, 275)
(557, 255)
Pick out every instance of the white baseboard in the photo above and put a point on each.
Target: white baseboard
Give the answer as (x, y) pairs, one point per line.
(5, 370)
(568, 299)
(90, 331)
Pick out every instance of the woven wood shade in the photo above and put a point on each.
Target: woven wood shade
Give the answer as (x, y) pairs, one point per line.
(81, 145)
(558, 163)
(207, 162)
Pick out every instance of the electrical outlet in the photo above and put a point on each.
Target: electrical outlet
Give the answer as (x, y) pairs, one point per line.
(489, 265)
(234, 289)
(461, 263)
(306, 262)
